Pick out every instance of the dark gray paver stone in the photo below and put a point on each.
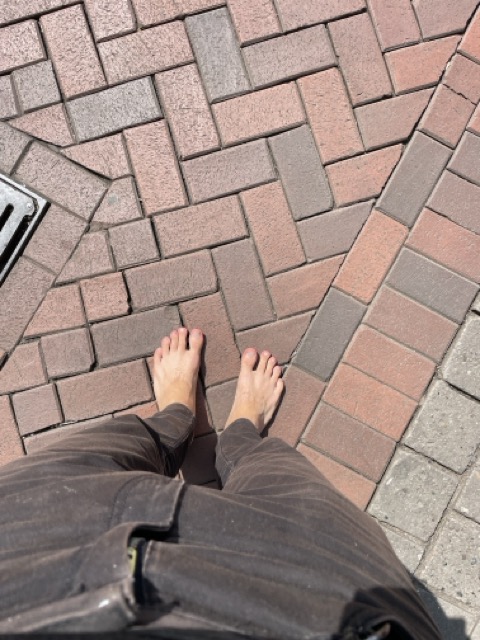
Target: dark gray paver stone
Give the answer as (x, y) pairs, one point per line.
(302, 172)
(457, 199)
(409, 551)
(413, 494)
(99, 114)
(432, 285)
(462, 366)
(333, 232)
(468, 502)
(453, 562)
(218, 54)
(446, 427)
(414, 178)
(465, 160)
(12, 145)
(329, 334)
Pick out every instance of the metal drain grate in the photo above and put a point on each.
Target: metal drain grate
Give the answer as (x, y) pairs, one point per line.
(20, 212)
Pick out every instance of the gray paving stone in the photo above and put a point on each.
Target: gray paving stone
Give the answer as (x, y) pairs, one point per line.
(452, 565)
(432, 285)
(453, 622)
(409, 551)
(8, 108)
(462, 366)
(457, 199)
(465, 160)
(302, 172)
(476, 632)
(12, 145)
(111, 110)
(329, 334)
(468, 502)
(334, 232)
(414, 178)
(218, 54)
(446, 427)
(36, 85)
(476, 304)
(413, 494)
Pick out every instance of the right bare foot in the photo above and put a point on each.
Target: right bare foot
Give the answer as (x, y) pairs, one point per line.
(258, 389)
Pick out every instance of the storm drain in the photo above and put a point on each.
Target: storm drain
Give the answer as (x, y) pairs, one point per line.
(20, 212)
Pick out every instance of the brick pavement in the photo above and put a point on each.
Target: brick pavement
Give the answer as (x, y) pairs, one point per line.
(293, 175)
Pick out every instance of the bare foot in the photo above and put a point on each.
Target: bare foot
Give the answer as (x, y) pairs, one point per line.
(258, 389)
(175, 370)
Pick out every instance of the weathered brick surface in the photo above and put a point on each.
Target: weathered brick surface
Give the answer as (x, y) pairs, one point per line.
(447, 116)
(36, 409)
(23, 369)
(362, 177)
(90, 258)
(171, 280)
(67, 353)
(155, 167)
(467, 502)
(134, 336)
(414, 178)
(61, 309)
(243, 285)
(133, 243)
(220, 401)
(392, 120)
(409, 552)
(12, 145)
(303, 391)
(447, 243)
(457, 199)
(289, 56)
(464, 161)
(259, 113)
(461, 367)
(267, 208)
(151, 12)
(200, 226)
(188, 111)
(254, 21)
(145, 52)
(105, 297)
(110, 17)
(221, 357)
(103, 391)
(111, 110)
(394, 23)
(36, 86)
(371, 257)
(49, 124)
(360, 58)
(8, 108)
(330, 332)
(72, 51)
(199, 465)
(295, 13)
(217, 53)
(349, 441)
(302, 173)
(470, 44)
(370, 401)
(143, 411)
(411, 323)
(106, 156)
(227, 171)
(20, 44)
(120, 204)
(78, 190)
(10, 443)
(420, 65)
(432, 285)
(12, 11)
(50, 438)
(439, 18)
(330, 115)
(302, 288)
(474, 124)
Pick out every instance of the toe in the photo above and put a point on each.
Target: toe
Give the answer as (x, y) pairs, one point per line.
(196, 340)
(272, 361)
(262, 363)
(165, 345)
(249, 358)
(174, 340)
(157, 356)
(277, 392)
(277, 372)
(182, 338)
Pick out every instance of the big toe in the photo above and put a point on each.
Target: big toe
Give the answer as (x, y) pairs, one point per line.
(196, 340)
(249, 359)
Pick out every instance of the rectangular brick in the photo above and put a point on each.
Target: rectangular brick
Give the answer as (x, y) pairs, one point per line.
(152, 12)
(474, 124)
(133, 336)
(289, 56)
(413, 179)
(8, 108)
(330, 332)
(349, 442)
(395, 23)
(243, 285)
(330, 115)
(106, 156)
(463, 76)
(228, 171)
(20, 44)
(371, 257)
(188, 111)
(155, 166)
(110, 18)
(364, 176)
(218, 54)
(295, 13)
(61, 309)
(23, 369)
(303, 393)
(133, 243)
(302, 173)
(221, 359)
(10, 444)
(438, 18)
(36, 409)
(465, 158)
(49, 124)
(470, 44)
(67, 353)
(103, 391)
(447, 116)
(457, 199)
(72, 51)
(143, 411)
(114, 109)
(391, 120)
(360, 58)
(171, 280)
(254, 21)
(145, 52)
(432, 285)
(370, 401)
(12, 145)
(105, 297)
(302, 288)
(52, 437)
(120, 204)
(267, 208)
(36, 86)
(200, 226)
(91, 258)
(13, 11)
(421, 65)
(220, 401)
